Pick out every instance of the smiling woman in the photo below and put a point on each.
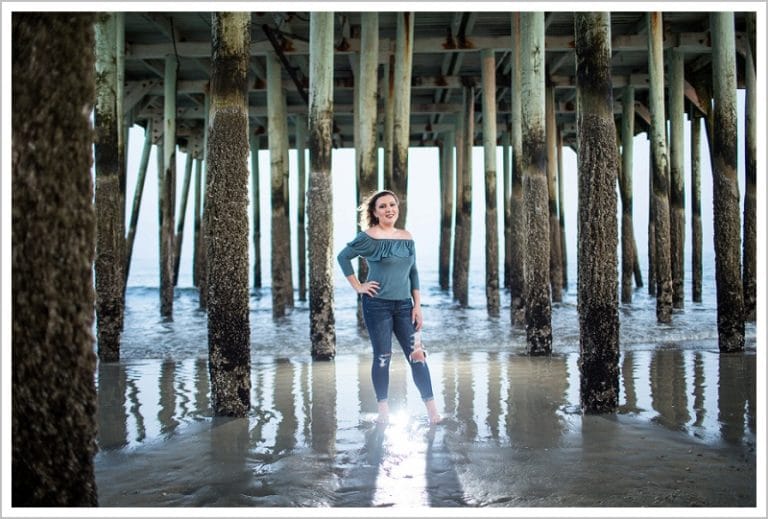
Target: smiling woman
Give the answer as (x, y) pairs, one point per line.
(390, 295)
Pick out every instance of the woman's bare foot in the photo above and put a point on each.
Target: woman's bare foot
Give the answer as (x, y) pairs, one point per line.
(383, 413)
(434, 416)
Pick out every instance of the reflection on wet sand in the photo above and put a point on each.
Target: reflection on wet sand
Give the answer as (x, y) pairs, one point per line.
(514, 435)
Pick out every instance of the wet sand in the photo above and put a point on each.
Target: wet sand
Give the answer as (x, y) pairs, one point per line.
(513, 436)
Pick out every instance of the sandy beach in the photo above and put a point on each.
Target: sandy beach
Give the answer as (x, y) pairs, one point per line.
(513, 435)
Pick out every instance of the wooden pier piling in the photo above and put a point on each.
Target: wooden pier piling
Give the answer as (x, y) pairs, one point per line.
(561, 210)
(651, 227)
(696, 236)
(199, 268)
(488, 68)
(517, 263)
(110, 224)
(506, 174)
(301, 224)
(389, 121)
(446, 207)
(138, 192)
(282, 271)
(53, 402)
(750, 192)
(229, 347)
(660, 170)
(367, 157)
(255, 145)
(167, 187)
(677, 175)
(598, 164)
(725, 186)
(555, 260)
(182, 217)
(401, 126)
(463, 227)
(322, 324)
(625, 189)
(538, 309)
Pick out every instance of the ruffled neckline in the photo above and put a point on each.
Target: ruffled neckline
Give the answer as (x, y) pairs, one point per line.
(374, 249)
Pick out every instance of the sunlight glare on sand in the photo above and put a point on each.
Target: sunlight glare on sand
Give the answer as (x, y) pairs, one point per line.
(401, 480)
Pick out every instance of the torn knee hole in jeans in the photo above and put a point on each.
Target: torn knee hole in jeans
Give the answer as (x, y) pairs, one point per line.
(384, 359)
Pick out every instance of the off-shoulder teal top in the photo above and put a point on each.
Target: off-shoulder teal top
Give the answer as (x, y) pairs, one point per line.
(391, 262)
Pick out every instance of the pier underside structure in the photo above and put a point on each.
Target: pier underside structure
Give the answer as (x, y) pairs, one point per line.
(218, 85)
(425, 82)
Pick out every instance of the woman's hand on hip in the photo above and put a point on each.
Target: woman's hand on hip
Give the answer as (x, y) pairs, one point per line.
(416, 317)
(369, 288)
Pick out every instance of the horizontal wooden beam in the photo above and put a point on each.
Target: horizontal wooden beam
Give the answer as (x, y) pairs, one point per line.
(200, 86)
(693, 42)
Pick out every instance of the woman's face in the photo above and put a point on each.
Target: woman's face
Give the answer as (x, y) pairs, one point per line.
(386, 210)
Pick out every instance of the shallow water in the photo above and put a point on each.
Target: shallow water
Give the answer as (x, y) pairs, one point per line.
(703, 394)
(311, 440)
(685, 433)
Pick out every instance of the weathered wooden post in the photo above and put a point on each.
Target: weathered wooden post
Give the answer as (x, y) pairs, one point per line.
(446, 207)
(555, 262)
(282, 273)
(255, 144)
(730, 295)
(137, 195)
(517, 269)
(199, 268)
(677, 176)
(506, 172)
(229, 347)
(389, 120)
(488, 67)
(320, 193)
(301, 143)
(696, 237)
(750, 194)
(122, 126)
(167, 186)
(366, 87)
(53, 402)
(598, 164)
(660, 169)
(458, 225)
(462, 241)
(625, 189)
(538, 307)
(366, 108)
(401, 129)
(651, 226)
(110, 225)
(561, 209)
(196, 202)
(177, 242)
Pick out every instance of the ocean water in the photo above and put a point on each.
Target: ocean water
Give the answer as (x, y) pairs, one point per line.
(151, 345)
(447, 326)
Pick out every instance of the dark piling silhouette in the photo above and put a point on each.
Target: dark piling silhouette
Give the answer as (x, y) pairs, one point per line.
(109, 169)
(53, 425)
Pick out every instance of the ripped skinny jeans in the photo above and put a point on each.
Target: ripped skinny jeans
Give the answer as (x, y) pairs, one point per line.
(382, 318)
